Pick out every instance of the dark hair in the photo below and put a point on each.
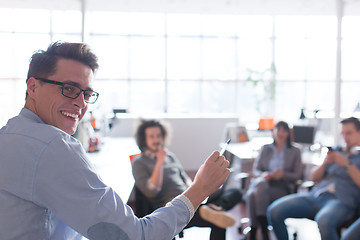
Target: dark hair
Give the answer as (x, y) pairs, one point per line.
(352, 120)
(140, 135)
(43, 63)
(285, 126)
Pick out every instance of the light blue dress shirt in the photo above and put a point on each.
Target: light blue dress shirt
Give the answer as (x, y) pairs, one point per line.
(345, 188)
(50, 190)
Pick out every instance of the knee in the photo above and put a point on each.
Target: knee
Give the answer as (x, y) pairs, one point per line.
(274, 212)
(323, 222)
(262, 187)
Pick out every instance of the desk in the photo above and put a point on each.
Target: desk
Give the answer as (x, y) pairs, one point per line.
(113, 164)
(250, 150)
(247, 150)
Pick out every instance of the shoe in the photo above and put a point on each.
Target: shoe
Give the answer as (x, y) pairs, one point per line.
(217, 217)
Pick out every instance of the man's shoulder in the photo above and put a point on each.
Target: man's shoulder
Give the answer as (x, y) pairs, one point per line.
(268, 147)
(25, 128)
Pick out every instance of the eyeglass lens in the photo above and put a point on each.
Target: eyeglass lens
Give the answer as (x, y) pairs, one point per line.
(71, 91)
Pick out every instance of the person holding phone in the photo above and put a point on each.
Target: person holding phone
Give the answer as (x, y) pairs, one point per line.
(335, 197)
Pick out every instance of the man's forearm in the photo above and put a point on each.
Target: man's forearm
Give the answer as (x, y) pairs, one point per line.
(318, 173)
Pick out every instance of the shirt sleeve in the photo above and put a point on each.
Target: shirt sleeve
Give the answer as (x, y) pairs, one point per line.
(66, 184)
(187, 180)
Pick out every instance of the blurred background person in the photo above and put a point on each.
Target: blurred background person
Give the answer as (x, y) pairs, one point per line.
(275, 172)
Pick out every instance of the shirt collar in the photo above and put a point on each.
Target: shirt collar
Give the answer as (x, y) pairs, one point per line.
(31, 115)
(150, 154)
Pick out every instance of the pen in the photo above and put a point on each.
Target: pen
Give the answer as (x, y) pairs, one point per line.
(224, 148)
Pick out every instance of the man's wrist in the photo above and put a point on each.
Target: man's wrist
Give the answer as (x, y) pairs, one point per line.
(348, 165)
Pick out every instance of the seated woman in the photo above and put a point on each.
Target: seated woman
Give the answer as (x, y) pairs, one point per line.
(276, 169)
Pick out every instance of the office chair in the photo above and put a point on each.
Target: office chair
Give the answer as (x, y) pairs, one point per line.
(236, 132)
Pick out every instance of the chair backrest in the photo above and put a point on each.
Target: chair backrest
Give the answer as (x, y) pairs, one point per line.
(236, 132)
(142, 204)
(133, 156)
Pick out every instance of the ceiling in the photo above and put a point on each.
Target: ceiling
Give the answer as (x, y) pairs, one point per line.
(284, 7)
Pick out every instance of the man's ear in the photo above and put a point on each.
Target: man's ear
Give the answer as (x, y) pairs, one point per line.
(31, 85)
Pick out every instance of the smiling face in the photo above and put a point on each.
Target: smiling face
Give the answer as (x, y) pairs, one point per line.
(280, 135)
(47, 101)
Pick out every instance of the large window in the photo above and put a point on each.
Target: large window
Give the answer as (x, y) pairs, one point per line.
(192, 63)
(21, 33)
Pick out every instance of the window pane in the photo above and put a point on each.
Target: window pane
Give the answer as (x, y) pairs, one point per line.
(33, 20)
(290, 59)
(254, 54)
(7, 59)
(349, 96)
(15, 54)
(12, 98)
(66, 21)
(147, 97)
(350, 48)
(247, 106)
(104, 22)
(219, 58)
(321, 59)
(184, 97)
(320, 96)
(218, 25)
(6, 20)
(218, 97)
(112, 52)
(327, 24)
(23, 52)
(254, 27)
(289, 100)
(184, 24)
(350, 59)
(349, 24)
(113, 94)
(290, 27)
(145, 23)
(127, 23)
(183, 60)
(67, 37)
(147, 57)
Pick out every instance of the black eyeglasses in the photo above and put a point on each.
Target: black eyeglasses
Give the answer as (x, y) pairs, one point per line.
(71, 91)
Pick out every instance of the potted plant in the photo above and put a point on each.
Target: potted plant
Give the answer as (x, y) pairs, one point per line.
(265, 84)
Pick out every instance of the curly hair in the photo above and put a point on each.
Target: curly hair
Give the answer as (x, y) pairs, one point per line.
(140, 135)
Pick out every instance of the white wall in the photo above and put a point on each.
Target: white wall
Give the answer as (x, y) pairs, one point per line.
(193, 139)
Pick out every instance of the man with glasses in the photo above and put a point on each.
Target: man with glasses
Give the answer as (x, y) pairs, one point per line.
(48, 189)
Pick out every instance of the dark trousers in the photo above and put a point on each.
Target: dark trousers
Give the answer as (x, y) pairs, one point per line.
(216, 232)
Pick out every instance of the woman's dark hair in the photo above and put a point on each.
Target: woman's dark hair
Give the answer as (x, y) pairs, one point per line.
(140, 135)
(285, 126)
(43, 63)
